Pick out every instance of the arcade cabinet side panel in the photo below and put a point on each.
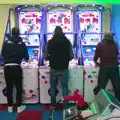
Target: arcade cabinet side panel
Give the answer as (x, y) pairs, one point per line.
(3, 90)
(76, 80)
(30, 75)
(80, 78)
(90, 82)
(44, 84)
(30, 85)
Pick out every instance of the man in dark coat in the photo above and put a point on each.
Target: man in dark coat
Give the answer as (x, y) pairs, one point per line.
(59, 52)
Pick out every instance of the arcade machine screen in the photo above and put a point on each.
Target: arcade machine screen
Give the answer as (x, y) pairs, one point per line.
(90, 23)
(60, 17)
(30, 25)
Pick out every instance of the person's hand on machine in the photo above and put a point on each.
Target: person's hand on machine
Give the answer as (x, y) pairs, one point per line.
(97, 64)
(29, 60)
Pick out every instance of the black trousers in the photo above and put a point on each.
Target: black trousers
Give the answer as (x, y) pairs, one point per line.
(13, 76)
(109, 72)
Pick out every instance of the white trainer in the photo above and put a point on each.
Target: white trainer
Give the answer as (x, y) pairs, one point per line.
(10, 109)
(21, 108)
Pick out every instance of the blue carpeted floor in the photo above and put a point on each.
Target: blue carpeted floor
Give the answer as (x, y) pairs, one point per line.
(4, 115)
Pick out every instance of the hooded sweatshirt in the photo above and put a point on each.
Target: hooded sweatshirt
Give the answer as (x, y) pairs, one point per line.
(59, 52)
(14, 50)
(107, 51)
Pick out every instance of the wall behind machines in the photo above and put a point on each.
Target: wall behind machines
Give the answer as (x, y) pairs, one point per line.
(4, 9)
(3, 20)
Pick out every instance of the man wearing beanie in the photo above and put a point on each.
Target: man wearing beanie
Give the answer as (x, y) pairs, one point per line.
(107, 52)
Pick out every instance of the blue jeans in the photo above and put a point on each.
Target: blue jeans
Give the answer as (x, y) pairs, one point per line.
(55, 76)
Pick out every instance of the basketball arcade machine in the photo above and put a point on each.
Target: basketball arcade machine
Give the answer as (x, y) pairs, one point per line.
(101, 104)
(61, 15)
(30, 25)
(28, 20)
(90, 31)
(90, 22)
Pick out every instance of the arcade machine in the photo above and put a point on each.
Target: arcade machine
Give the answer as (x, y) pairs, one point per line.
(3, 90)
(28, 19)
(30, 25)
(90, 22)
(90, 27)
(60, 15)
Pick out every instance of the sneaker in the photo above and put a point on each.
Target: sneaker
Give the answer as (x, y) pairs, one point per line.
(21, 108)
(10, 109)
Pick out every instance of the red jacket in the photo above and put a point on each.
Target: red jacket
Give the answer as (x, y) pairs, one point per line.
(107, 52)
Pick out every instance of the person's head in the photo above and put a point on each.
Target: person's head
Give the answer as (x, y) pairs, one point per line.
(108, 37)
(58, 31)
(15, 31)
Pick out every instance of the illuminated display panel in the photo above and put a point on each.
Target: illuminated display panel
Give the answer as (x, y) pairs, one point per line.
(60, 17)
(30, 24)
(90, 21)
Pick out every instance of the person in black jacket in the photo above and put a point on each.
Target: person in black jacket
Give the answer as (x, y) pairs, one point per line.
(59, 52)
(13, 51)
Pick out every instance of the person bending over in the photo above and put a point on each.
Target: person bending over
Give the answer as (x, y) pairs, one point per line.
(59, 52)
(13, 51)
(107, 52)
